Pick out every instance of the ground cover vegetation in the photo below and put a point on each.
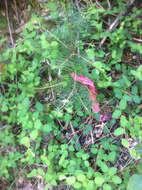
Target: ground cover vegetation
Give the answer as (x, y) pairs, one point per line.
(50, 137)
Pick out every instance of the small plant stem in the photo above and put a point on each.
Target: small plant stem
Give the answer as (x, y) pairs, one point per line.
(49, 86)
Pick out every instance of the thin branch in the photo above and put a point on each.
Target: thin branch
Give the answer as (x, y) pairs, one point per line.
(73, 131)
(112, 26)
(127, 163)
(8, 22)
(99, 5)
(16, 11)
(116, 22)
(92, 137)
(77, 4)
(78, 42)
(52, 86)
(50, 79)
(57, 39)
(137, 40)
(3, 127)
(109, 5)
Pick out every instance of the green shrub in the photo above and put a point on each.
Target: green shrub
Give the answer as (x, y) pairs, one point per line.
(39, 99)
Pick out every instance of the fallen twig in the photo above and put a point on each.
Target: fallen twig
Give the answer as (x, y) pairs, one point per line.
(73, 131)
(137, 40)
(92, 137)
(16, 11)
(7, 17)
(99, 5)
(77, 4)
(109, 5)
(116, 22)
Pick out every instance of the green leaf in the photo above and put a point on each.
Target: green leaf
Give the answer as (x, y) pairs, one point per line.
(46, 188)
(32, 173)
(54, 44)
(67, 117)
(114, 54)
(47, 128)
(112, 171)
(53, 182)
(139, 167)
(4, 107)
(90, 52)
(123, 121)
(134, 154)
(70, 180)
(119, 131)
(99, 181)
(107, 187)
(116, 114)
(25, 141)
(125, 81)
(37, 124)
(81, 177)
(62, 177)
(116, 179)
(94, 150)
(103, 166)
(86, 163)
(85, 156)
(125, 143)
(34, 134)
(90, 185)
(77, 185)
(135, 182)
(127, 98)
(134, 90)
(26, 102)
(123, 104)
(41, 172)
(71, 148)
(118, 93)
(39, 107)
(139, 149)
(98, 65)
(87, 129)
(136, 99)
(112, 156)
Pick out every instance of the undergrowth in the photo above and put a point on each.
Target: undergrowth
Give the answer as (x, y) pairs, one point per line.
(48, 128)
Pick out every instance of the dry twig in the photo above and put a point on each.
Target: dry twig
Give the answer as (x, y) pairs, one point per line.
(109, 5)
(77, 4)
(99, 5)
(137, 40)
(8, 22)
(116, 22)
(73, 131)
(16, 11)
